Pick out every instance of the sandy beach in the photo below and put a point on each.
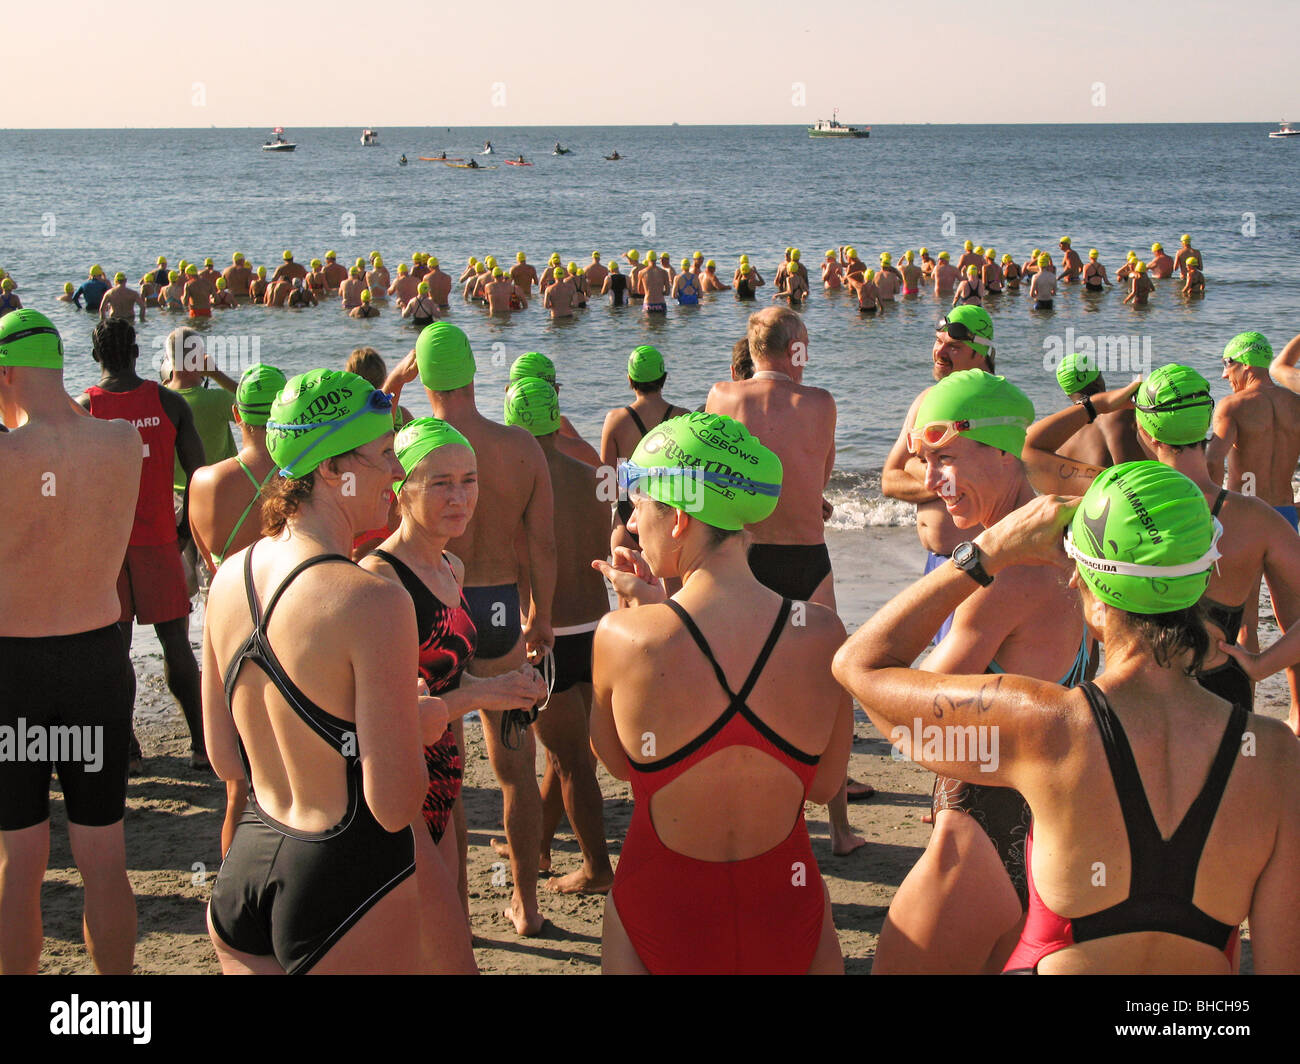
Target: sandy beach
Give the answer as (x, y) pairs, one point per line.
(173, 822)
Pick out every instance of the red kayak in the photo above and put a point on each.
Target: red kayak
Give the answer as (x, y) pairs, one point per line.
(516, 162)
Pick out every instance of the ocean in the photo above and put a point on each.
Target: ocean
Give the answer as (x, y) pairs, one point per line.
(120, 198)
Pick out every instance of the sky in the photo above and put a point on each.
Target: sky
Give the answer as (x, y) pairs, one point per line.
(339, 63)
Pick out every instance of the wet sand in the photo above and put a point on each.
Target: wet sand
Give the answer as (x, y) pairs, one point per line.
(173, 822)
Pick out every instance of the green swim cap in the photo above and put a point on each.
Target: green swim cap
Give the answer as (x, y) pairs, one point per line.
(258, 387)
(29, 338)
(533, 364)
(1143, 539)
(975, 319)
(1250, 349)
(1174, 405)
(998, 413)
(322, 414)
(645, 364)
(1076, 372)
(420, 436)
(443, 354)
(532, 404)
(708, 465)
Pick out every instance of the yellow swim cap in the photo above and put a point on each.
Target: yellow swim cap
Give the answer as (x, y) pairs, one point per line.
(869, 275)
(650, 255)
(192, 269)
(989, 253)
(744, 267)
(555, 257)
(378, 262)
(207, 262)
(221, 283)
(744, 258)
(490, 261)
(361, 263)
(236, 258)
(430, 261)
(1131, 256)
(1157, 247)
(162, 260)
(664, 256)
(497, 271)
(402, 268)
(174, 275)
(634, 254)
(788, 250)
(795, 254)
(365, 296)
(686, 264)
(885, 256)
(573, 267)
(698, 255)
(1191, 261)
(1064, 240)
(944, 256)
(1036, 253)
(331, 255)
(710, 264)
(287, 256)
(1141, 267)
(417, 256)
(374, 255)
(595, 256)
(96, 269)
(925, 251)
(968, 245)
(830, 254)
(979, 250)
(1044, 260)
(67, 287)
(480, 267)
(973, 270)
(910, 256)
(519, 256)
(261, 272)
(1186, 238)
(1093, 253)
(119, 276)
(1006, 258)
(423, 288)
(472, 260)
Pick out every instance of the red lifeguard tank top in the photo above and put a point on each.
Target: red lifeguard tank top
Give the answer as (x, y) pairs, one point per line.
(155, 518)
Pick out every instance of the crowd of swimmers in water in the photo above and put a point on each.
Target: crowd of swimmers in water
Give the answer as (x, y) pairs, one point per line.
(377, 577)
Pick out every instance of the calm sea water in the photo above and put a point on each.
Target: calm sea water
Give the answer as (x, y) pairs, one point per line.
(121, 198)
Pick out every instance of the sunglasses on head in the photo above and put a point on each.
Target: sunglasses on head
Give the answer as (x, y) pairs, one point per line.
(1180, 402)
(959, 332)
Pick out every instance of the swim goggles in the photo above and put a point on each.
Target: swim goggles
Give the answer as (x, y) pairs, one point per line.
(630, 476)
(1180, 402)
(377, 402)
(514, 722)
(937, 433)
(963, 334)
(1155, 572)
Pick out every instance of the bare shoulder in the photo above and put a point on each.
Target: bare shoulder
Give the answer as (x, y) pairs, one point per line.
(641, 629)
(457, 567)
(1274, 745)
(721, 396)
(818, 625)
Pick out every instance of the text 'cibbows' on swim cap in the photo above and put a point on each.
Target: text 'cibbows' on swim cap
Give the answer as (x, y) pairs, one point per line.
(1174, 405)
(973, 395)
(709, 466)
(532, 404)
(322, 414)
(258, 387)
(420, 436)
(29, 338)
(444, 357)
(1143, 539)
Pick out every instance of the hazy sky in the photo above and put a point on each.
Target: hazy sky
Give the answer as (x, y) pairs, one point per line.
(336, 63)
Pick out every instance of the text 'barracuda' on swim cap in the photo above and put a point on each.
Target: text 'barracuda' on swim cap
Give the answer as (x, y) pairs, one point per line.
(982, 406)
(533, 364)
(1174, 405)
(420, 436)
(1076, 372)
(1143, 539)
(709, 466)
(1250, 349)
(322, 414)
(533, 405)
(29, 338)
(258, 387)
(645, 364)
(444, 357)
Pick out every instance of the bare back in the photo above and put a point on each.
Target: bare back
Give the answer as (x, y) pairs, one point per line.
(71, 484)
(1267, 424)
(798, 423)
(222, 494)
(511, 472)
(581, 534)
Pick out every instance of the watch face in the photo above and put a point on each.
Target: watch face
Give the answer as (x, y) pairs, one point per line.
(962, 553)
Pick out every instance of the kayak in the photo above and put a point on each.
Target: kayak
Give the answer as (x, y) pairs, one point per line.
(439, 159)
(466, 166)
(516, 162)
(615, 158)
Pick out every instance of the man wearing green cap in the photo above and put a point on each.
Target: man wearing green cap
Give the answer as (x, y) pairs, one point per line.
(1068, 448)
(62, 658)
(969, 431)
(581, 534)
(1173, 414)
(569, 440)
(514, 502)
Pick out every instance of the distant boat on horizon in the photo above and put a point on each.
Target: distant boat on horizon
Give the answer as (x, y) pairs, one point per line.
(833, 127)
(1284, 130)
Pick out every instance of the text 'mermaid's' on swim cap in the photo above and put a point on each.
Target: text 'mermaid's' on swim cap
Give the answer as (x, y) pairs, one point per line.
(1174, 405)
(709, 466)
(419, 437)
(444, 357)
(322, 414)
(258, 387)
(29, 338)
(1000, 413)
(1143, 539)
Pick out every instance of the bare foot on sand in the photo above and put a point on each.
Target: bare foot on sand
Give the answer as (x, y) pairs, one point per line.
(581, 882)
(526, 925)
(844, 843)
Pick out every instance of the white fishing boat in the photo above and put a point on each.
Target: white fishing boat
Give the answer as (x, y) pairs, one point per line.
(833, 127)
(1284, 130)
(370, 138)
(276, 141)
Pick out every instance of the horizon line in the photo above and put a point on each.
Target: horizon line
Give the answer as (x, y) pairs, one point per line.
(629, 125)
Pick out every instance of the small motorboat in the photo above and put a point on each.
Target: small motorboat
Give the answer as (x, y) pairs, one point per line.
(370, 138)
(1284, 130)
(561, 151)
(614, 158)
(276, 141)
